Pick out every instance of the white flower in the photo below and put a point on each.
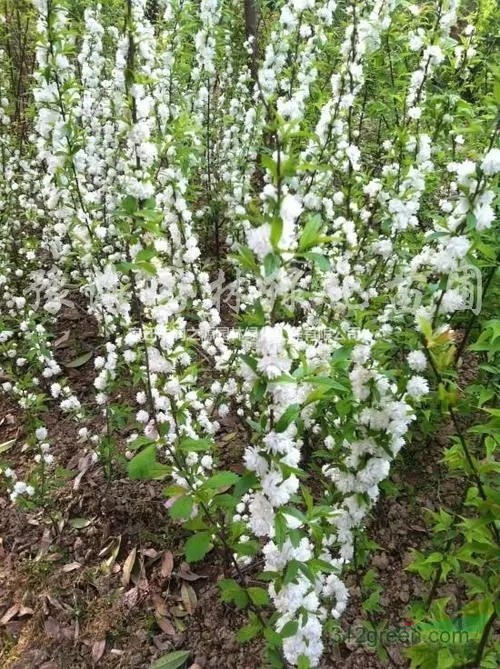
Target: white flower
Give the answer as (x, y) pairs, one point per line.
(99, 362)
(485, 216)
(259, 240)
(414, 113)
(491, 162)
(20, 487)
(41, 433)
(338, 197)
(417, 361)
(417, 386)
(452, 301)
(415, 42)
(261, 516)
(142, 416)
(254, 461)
(354, 155)
(290, 210)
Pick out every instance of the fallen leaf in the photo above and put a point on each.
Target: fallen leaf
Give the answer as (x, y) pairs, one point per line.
(131, 597)
(79, 523)
(419, 528)
(165, 626)
(167, 564)
(71, 566)
(25, 611)
(78, 479)
(149, 552)
(62, 339)
(180, 626)
(44, 545)
(160, 642)
(54, 602)
(178, 611)
(139, 577)
(128, 566)
(9, 614)
(189, 598)
(159, 604)
(112, 549)
(98, 648)
(52, 628)
(7, 445)
(230, 436)
(79, 361)
(186, 573)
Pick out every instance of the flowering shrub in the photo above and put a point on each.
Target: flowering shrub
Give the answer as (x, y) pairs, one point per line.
(350, 187)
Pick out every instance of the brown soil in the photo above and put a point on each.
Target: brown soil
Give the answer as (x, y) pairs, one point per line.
(98, 580)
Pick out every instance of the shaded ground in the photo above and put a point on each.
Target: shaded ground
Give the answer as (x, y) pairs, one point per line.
(103, 583)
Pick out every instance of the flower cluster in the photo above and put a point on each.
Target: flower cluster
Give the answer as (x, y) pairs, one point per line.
(335, 182)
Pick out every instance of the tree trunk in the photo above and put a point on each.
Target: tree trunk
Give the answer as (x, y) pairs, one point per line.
(251, 25)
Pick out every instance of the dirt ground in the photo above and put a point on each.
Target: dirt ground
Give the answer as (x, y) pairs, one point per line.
(100, 582)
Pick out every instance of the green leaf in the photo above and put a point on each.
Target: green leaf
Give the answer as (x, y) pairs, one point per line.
(271, 264)
(341, 354)
(197, 546)
(280, 529)
(369, 578)
(319, 260)
(291, 414)
(273, 638)
(196, 445)
(248, 632)
(139, 442)
(145, 254)
(258, 391)
(145, 266)
(172, 660)
(129, 204)
(303, 663)
(258, 596)
(221, 480)
(372, 603)
(276, 231)
(270, 165)
(247, 259)
(249, 548)
(289, 629)
(144, 466)
(232, 592)
(274, 658)
(292, 570)
(310, 234)
(327, 382)
(182, 508)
